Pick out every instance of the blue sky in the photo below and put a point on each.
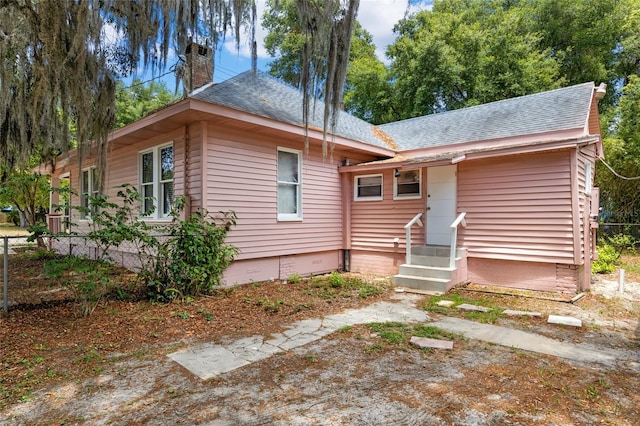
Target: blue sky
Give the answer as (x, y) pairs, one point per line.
(376, 16)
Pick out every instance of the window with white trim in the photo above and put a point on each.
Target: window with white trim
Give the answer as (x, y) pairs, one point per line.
(367, 187)
(156, 181)
(408, 184)
(88, 189)
(289, 184)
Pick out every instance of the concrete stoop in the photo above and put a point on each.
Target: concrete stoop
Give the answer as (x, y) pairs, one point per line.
(429, 269)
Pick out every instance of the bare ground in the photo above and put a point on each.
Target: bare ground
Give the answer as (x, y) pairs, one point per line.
(112, 368)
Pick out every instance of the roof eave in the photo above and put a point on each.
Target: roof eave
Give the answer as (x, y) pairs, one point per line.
(314, 135)
(432, 159)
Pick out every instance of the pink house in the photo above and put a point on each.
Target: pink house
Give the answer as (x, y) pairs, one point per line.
(496, 194)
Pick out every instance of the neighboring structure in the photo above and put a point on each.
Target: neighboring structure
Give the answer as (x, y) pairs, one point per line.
(518, 173)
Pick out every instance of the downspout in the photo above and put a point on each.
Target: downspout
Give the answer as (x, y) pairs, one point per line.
(347, 198)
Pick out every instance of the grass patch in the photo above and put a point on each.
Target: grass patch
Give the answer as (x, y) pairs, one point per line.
(489, 317)
(398, 334)
(334, 285)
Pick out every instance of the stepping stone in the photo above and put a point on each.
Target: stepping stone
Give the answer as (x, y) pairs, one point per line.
(425, 342)
(468, 307)
(513, 313)
(446, 303)
(562, 320)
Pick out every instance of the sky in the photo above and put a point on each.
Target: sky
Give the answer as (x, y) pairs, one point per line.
(376, 16)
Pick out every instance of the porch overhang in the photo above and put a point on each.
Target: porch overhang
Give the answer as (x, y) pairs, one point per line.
(427, 158)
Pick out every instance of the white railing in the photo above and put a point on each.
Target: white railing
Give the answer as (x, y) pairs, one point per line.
(407, 228)
(454, 237)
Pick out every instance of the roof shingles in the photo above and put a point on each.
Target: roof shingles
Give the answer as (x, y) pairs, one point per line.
(263, 95)
(559, 109)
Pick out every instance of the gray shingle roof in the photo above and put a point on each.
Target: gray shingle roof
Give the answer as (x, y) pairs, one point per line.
(263, 95)
(559, 109)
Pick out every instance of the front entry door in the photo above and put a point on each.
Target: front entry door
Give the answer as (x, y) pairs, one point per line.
(441, 204)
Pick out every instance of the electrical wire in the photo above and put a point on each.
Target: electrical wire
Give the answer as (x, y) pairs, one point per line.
(140, 83)
(617, 174)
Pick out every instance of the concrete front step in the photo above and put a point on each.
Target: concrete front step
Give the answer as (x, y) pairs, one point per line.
(434, 261)
(426, 271)
(438, 251)
(421, 283)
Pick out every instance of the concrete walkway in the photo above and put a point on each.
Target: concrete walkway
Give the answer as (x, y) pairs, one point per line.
(210, 360)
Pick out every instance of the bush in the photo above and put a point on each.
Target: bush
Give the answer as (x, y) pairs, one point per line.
(191, 261)
(336, 280)
(183, 258)
(622, 242)
(608, 259)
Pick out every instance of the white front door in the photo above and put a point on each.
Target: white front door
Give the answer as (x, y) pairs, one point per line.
(441, 204)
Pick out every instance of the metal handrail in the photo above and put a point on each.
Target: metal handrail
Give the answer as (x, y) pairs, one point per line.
(407, 227)
(454, 237)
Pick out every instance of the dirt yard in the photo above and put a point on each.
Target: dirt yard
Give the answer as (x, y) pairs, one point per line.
(112, 368)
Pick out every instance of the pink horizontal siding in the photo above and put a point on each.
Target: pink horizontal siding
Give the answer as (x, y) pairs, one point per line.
(193, 157)
(122, 167)
(518, 208)
(375, 224)
(241, 175)
(539, 276)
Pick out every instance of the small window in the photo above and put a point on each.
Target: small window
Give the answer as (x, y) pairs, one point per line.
(407, 184)
(289, 184)
(368, 188)
(156, 181)
(88, 189)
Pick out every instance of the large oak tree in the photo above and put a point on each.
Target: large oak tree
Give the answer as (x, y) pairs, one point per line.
(60, 60)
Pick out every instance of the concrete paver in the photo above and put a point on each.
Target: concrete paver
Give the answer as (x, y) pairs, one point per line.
(529, 341)
(564, 320)
(425, 342)
(468, 307)
(514, 313)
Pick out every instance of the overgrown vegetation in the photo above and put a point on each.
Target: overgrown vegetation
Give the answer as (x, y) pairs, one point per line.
(608, 259)
(88, 280)
(183, 258)
(192, 259)
(610, 250)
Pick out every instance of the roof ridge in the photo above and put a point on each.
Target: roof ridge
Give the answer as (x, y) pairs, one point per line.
(489, 104)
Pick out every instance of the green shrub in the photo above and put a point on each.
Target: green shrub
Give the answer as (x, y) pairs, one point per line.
(192, 260)
(622, 242)
(336, 280)
(294, 278)
(608, 259)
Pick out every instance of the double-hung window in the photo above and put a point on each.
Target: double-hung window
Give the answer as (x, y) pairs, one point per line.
(368, 188)
(289, 184)
(156, 181)
(407, 184)
(88, 189)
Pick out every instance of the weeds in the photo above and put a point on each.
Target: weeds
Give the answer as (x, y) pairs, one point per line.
(294, 278)
(398, 334)
(206, 314)
(272, 306)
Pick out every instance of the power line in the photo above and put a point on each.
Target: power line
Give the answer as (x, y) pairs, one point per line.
(618, 174)
(149, 80)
